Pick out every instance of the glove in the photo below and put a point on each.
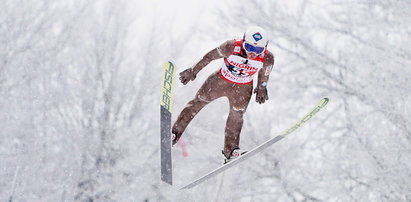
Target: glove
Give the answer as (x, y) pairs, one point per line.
(261, 94)
(187, 75)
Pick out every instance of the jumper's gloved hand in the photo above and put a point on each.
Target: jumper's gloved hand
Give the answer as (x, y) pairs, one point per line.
(187, 75)
(261, 94)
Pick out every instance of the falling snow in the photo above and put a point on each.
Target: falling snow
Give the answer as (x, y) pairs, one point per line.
(80, 88)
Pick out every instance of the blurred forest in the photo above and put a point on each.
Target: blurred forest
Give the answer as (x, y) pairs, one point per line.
(80, 87)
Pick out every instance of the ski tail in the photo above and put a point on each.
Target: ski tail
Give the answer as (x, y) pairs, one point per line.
(166, 103)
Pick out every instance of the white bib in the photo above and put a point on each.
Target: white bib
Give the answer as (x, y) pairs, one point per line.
(239, 70)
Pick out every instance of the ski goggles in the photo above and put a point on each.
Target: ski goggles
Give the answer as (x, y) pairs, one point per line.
(255, 49)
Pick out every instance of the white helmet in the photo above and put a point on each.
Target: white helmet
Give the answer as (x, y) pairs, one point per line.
(256, 36)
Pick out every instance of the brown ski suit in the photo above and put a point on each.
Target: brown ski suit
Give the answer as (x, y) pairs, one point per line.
(216, 86)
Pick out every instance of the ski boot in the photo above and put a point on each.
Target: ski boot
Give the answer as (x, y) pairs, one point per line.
(175, 136)
(234, 154)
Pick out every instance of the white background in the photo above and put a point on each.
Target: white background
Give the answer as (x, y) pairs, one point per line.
(80, 87)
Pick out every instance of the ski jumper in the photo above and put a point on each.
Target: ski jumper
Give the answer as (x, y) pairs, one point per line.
(233, 80)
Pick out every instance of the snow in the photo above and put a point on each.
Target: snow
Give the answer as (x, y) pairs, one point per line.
(80, 88)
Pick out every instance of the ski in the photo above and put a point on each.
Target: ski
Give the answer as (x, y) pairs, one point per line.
(165, 124)
(261, 147)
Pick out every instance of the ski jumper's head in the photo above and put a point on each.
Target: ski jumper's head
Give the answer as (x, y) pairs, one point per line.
(255, 41)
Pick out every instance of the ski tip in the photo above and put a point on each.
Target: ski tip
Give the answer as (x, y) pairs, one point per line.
(324, 101)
